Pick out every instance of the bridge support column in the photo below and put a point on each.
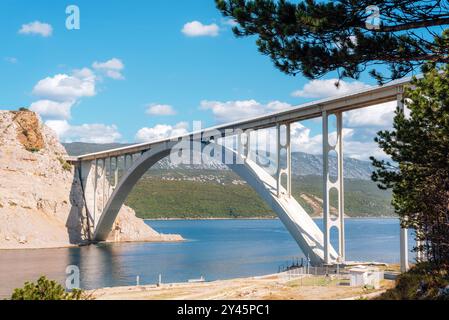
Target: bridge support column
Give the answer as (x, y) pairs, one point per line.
(127, 164)
(335, 221)
(94, 211)
(87, 173)
(286, 170)
(103, 185)
(404, 250)
(420, 254)
(404, 232)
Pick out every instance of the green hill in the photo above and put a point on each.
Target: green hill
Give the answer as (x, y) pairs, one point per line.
(223, 195)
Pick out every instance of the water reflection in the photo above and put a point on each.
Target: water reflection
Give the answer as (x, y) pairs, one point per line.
(19, 266)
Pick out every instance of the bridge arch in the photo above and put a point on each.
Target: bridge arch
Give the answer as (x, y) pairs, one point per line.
(303, 229)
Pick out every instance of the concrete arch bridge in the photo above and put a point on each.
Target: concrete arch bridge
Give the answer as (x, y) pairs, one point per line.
(109, 176)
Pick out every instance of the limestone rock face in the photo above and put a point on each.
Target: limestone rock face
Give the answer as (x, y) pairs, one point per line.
(41, 202)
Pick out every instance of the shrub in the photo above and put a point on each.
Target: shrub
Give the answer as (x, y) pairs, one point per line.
(422, 282)
(65, 165)
(45, 289)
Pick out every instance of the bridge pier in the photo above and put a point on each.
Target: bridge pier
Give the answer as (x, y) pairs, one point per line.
(99, 178)
(404, 232)
(331, 221)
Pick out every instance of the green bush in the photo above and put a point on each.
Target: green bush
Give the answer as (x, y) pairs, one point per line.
(33, 149)
(422, 282)
(45, 289)
(65, 165)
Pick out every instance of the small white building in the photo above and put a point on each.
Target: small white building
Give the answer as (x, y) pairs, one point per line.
(366, 276)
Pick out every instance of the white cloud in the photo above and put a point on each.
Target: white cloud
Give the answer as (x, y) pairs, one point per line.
(303, 141)
(238, 110)
(116, 75)
(11, 60)
(112, 68)
(362, 150)
(88, 133)
(63, 87)
(160, 110)
(60, 127)
(52, 109)
(197, 29)
(37, 28)
(161, 131)
(59, 93)
(327, 88)
(114, 64)
(380, 115)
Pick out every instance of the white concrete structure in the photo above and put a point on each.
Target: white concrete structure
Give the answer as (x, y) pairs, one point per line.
(365, 276)
(109, 176)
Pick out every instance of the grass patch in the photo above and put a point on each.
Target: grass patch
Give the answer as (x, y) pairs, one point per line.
(314, 281)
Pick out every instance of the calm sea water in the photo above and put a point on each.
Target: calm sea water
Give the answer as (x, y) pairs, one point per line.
(216, 249)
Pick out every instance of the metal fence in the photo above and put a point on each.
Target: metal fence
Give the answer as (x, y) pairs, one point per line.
(297, 270)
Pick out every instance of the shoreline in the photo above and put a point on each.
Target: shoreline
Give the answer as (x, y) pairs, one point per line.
(62, 246)
(71, 246)
(257, 218)
(277, 286)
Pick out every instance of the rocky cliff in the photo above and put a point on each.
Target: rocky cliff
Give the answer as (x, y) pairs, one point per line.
(41, 203)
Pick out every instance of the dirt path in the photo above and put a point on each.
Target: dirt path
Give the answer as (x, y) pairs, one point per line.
(272, 287)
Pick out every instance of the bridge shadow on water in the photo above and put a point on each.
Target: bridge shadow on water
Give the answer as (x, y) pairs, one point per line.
(79, 220)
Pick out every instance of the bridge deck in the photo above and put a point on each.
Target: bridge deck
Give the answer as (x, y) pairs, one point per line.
(363, 98)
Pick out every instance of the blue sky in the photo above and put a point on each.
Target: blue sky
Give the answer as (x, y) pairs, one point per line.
(138, 69)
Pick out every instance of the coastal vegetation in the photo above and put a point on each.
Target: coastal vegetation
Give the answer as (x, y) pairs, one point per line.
(45, 289)
(422, 282)
(419, 171)
(65, 165)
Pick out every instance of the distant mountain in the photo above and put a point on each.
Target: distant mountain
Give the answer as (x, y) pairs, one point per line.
(303, 164)
(309, 164)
